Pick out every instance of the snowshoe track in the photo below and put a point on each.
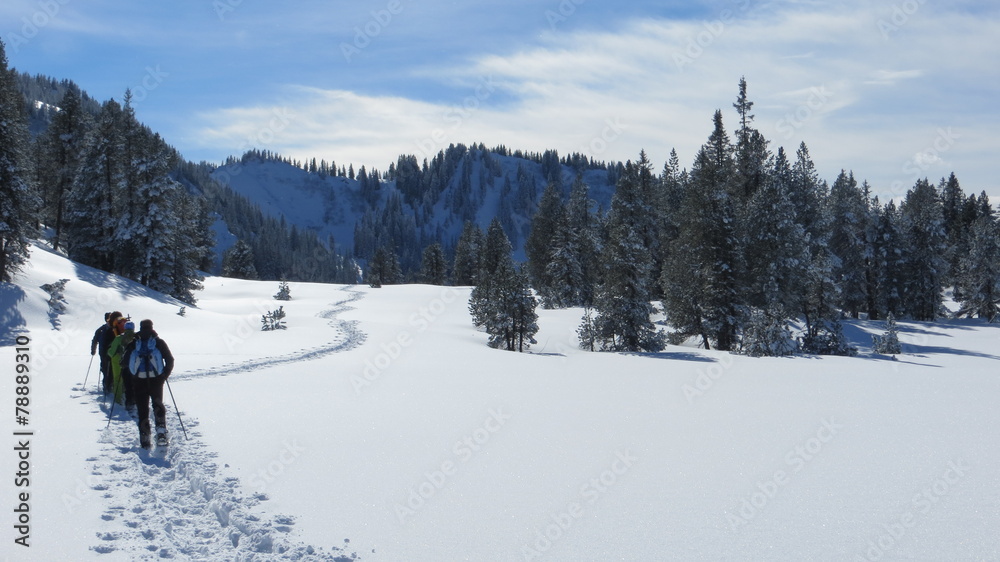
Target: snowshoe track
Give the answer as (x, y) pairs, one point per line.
(174, 502)
(349, 336)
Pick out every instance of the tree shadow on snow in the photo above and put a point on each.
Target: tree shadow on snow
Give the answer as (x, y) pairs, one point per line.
(675, 356)
(125, 287)
(11, 321)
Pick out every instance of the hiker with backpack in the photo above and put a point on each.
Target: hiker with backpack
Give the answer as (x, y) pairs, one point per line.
(124, 334)
(149, 361)
(99, 345)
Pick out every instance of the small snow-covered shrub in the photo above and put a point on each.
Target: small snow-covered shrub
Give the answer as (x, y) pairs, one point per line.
(767, 335)
(274, 320)
(888, 343)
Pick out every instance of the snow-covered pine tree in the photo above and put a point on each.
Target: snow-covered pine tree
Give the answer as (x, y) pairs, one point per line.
(700, 280)
(925, 240)
(956, 227)
(433, 266)
(63, 146)
(890, 257)
(622, 302)
(538, 246)
(888, 342)
(155, 232)
(979, 270)
(775, 248)
(18, 200)
(468, 255)
(238, 261)
(93, 201)
(383, 268)
(849, 243)
(284, 291)
(563, 272)
(751, 153)
(501, 302)
(583, 240)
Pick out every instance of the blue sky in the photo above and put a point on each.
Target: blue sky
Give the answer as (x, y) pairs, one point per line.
(891, 90)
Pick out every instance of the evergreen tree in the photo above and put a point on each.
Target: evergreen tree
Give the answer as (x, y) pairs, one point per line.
(468, 255)
(700, 281)
(623, 299)
(751, 152)
(501, 301)
(925, 265)
(383, 268)
(775, 249)
(889, 261)
(496, 249)
(979, 270)
(538, 246)
(822, 294)
(98, 186)
(956, 226)
(238, 262)
(888, 342)
(849, 242)
(18, 200)
(63, 147)
(433, 267)
(582, 244)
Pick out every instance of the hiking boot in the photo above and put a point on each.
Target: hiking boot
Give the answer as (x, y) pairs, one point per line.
(161, 437)
(144, 440)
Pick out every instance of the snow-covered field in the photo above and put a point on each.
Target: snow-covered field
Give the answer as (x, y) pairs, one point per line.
(380, 426)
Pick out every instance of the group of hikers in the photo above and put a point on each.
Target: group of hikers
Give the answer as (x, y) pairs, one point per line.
(135, 366)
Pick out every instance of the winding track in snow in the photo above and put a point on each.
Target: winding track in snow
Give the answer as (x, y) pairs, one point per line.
(178, 504)
(350, 334)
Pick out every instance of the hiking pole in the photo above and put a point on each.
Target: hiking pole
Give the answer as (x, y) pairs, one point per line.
(176, 409)
(89, 365)
(111, 411)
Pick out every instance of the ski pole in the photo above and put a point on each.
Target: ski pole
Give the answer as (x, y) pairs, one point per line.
(176, 409)
(111, 411)
(89, 365)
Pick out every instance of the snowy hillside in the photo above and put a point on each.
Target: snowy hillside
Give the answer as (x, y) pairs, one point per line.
(478, 185)
(379, 426)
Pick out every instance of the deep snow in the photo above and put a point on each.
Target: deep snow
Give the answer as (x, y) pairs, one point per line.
(380, 426)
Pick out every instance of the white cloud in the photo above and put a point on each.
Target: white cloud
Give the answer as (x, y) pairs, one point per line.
(825, 74)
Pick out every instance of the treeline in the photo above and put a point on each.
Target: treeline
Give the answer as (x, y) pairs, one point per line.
(747, 243)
